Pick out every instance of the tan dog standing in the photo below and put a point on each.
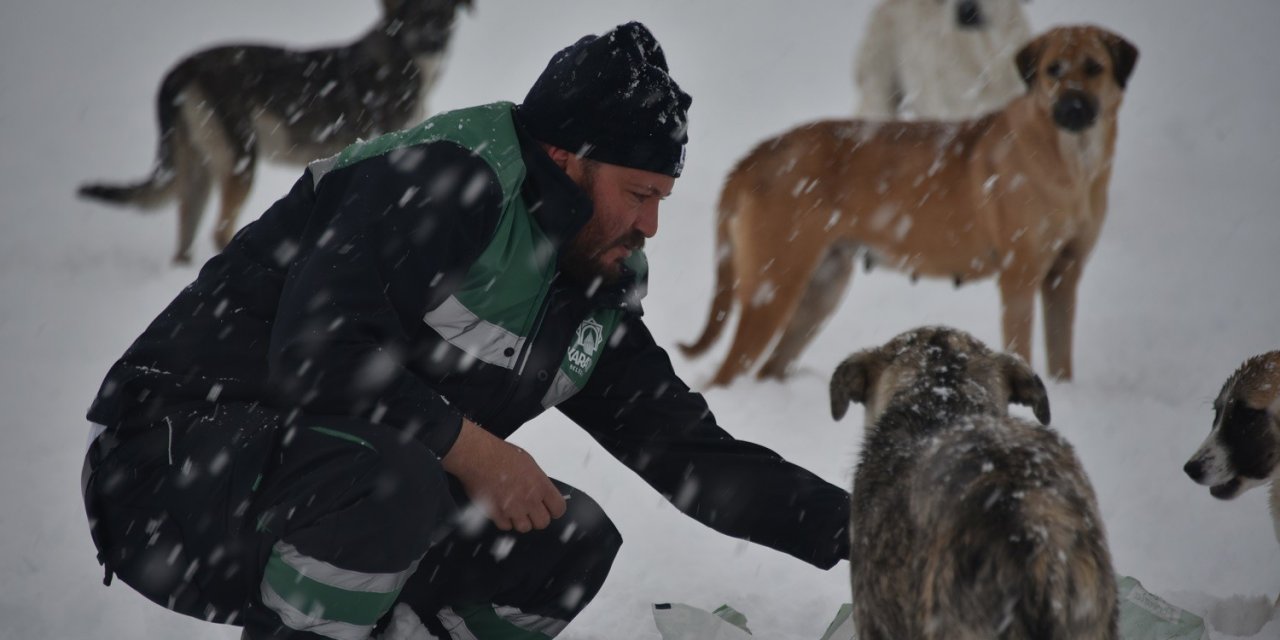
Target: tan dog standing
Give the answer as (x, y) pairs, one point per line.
(1020, 194)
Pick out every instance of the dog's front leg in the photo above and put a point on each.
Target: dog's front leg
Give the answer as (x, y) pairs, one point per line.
(821, 297)
(1017, 308)
(1058, 291)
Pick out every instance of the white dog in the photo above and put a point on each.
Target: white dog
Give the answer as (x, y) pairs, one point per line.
(940, 59)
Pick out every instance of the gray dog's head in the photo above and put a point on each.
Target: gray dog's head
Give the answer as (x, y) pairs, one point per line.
(939, 365)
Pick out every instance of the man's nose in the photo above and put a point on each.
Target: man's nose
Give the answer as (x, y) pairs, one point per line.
(647, 221)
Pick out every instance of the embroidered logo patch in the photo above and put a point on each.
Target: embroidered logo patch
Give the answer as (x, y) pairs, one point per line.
(587, 342)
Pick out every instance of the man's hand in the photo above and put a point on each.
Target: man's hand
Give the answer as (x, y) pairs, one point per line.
(505, 480)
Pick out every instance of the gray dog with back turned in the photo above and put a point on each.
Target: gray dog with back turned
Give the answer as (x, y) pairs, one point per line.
(966, 522)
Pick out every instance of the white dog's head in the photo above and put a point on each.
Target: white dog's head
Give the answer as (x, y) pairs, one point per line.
(1243, 448)
(975, 15)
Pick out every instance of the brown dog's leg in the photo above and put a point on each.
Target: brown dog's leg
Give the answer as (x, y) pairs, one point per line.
(1017, 308)
(821, 297)
(1058, 292)
(766, 301)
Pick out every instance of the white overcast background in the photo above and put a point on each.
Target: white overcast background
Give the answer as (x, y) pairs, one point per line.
(1182, 287)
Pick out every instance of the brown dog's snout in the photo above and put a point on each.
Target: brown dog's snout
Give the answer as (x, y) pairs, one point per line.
(1075, 110)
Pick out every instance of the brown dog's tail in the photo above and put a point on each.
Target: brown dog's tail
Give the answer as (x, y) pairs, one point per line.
(158, 188)
(722, 300)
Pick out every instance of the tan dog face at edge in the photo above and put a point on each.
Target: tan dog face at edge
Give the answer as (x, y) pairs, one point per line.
(1019, 195)
(1242, 451)
(1243, 447)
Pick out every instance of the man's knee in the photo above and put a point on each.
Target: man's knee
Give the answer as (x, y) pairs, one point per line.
(411, 492)
(587, 528)
(380, 485)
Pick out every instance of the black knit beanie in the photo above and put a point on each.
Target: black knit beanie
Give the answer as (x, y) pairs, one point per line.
(609, 98)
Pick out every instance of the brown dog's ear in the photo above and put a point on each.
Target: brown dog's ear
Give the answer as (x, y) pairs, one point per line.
(1025, 387)
(1123, 57)
(1028, 60)
(851, 382)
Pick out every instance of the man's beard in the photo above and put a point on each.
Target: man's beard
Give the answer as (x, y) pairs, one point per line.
(581, 260)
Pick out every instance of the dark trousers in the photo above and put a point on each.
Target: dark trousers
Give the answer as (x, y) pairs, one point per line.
(315, 530)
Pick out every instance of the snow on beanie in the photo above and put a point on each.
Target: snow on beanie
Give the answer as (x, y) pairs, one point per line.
(610, 98)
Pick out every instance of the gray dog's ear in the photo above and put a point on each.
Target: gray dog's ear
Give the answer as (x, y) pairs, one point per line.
(1025, 387)
(851, 382)
(1028, 60)
(1123, 57)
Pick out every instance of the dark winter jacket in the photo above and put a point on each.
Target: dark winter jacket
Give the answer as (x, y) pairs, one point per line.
(412, 280)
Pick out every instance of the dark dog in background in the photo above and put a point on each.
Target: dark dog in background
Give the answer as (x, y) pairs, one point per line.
(967, 523)
(1243, 448)
(219, 110)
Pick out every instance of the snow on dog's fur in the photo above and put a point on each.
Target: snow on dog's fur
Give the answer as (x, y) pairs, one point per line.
(966, 522)
(940, 59)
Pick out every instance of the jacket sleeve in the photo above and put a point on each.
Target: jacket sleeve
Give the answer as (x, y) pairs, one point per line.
(644, 415)
(388, 237)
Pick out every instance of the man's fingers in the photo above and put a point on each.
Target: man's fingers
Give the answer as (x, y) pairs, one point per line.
(555, 502)
(540, 516)
(522, 524)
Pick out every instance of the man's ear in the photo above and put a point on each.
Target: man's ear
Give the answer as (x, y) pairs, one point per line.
(558, 156)
(572, 164)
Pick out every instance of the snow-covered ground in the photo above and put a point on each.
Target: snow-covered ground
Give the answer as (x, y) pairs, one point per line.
(1182, 287)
